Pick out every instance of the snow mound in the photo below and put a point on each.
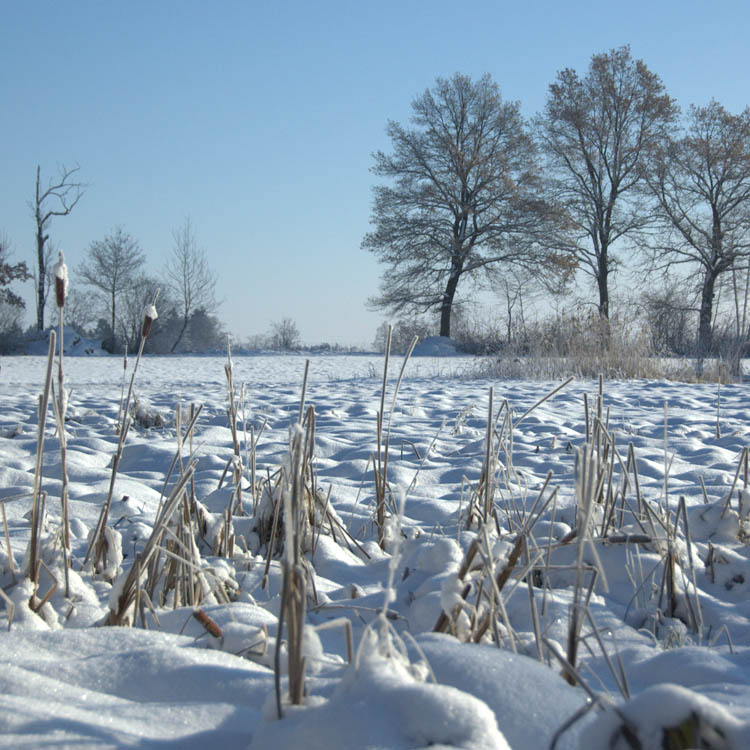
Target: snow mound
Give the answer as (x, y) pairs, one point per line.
(435, 346)
(667, 714)
(74, 344)
(116, 687)
(380, 704)
(530, 701)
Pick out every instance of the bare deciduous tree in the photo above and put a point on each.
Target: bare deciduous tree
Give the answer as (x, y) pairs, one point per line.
(597, 132)
(111, 266)
(285, 335)
(191, 281)
(57, 199)
(668, 310)
(80, 310)
(702, 182)
(464, 198)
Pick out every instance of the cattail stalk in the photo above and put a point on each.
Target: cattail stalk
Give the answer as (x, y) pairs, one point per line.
(97, 545)
(61, 290)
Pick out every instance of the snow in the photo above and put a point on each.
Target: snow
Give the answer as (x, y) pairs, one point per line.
(435, 346)
(149, 311)
(381, 704)
(75, 345)
(118, 687)
(204, 674)
(669, 705)
(529, 700)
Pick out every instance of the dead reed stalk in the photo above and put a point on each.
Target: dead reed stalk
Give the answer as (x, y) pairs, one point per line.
(380, 463)
(61, 404)
(98, 544)
(292, 613)
(130, 584)
(37, 499)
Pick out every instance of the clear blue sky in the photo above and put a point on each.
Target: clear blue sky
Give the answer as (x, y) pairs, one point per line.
(258, 120)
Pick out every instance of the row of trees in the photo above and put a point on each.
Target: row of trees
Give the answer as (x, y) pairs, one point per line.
(610, 174)
(111, 286)
(114, 269)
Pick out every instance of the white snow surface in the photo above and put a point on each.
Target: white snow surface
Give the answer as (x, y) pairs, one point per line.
(74, 344)
(435, 346)
(68, 682)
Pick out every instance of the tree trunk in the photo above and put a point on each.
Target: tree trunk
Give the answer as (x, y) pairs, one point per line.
(447, 304)
(41, 239)
(179, 337)
(114, 319)
(604, 334)
(705, 315)
(41, 272)
(602, 281)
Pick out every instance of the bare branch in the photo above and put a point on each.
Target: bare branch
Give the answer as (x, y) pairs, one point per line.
(59, 198)
(191, 280)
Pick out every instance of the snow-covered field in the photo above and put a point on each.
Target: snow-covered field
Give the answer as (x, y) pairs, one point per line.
(663, 646)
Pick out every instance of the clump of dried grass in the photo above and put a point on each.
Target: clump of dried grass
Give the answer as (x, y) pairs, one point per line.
(610, 513)
(586, 346)
(294, 585)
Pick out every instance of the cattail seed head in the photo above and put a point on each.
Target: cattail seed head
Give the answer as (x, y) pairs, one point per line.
(149, 316)
(61, 280)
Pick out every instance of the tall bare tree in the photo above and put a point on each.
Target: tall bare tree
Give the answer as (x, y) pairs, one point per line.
(111, 266)
(702, 182)
(463, 199)
(57, 199)
(597, 132)
(191, 281)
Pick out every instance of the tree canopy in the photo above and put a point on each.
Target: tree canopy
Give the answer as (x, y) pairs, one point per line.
(701, 178)
(597, 132)
(112, 265)
(464, 196)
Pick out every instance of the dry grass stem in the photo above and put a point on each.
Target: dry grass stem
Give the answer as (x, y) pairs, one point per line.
(9, 605)
(382, 489)
(120, 615)
(11, 563)
(36, 498)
